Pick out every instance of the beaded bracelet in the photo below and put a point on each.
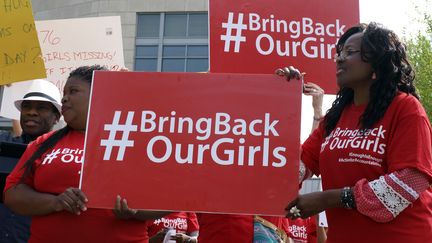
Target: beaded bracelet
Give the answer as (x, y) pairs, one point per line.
(317, 118)
(347, 198)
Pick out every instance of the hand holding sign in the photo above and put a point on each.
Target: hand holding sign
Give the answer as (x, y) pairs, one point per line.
(121, 209)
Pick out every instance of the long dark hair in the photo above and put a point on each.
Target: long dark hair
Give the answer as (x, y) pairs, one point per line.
(84, 73)
(383, 50)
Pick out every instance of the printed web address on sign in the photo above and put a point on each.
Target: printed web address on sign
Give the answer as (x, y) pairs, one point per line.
(220, 124)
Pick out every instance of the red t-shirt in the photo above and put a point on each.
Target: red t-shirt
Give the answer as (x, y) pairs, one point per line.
(280, 222)
(216, 228)
(303, 230)
(183, 222)
(57, 170)
(401, 139)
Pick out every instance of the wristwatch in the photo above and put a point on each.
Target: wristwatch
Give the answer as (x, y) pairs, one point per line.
(347, 198)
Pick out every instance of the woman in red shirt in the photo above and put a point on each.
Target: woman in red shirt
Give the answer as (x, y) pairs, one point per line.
(373, 147)
(44, 184)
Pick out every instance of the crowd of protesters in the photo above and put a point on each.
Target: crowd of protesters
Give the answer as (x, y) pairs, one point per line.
(385, 202)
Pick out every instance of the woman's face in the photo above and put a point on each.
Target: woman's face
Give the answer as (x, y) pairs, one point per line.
(75, 102)
(351, 70)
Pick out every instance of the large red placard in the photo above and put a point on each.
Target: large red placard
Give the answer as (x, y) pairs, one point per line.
(224, 143)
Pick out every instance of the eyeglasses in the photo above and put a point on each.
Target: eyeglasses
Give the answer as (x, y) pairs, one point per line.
(346, 53)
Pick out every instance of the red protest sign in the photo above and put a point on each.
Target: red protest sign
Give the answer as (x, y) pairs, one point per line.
(224, 143)
(260, 36)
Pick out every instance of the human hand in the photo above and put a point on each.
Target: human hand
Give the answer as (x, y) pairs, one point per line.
(121, 209)
(317, 94)
(180, 238)
(72, 200)
(290, 73)
(307, 205)
(159, 236)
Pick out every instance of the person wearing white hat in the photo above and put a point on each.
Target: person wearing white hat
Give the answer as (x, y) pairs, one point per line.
(40, 110)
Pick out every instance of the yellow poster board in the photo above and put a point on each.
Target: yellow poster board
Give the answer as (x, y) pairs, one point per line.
(20, 52)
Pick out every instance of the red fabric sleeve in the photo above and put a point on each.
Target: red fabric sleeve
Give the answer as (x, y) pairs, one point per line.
(192, 223)
(407, 184)
(410, 144)
(311, 149)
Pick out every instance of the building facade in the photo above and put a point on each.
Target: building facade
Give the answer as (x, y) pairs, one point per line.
(158, 35)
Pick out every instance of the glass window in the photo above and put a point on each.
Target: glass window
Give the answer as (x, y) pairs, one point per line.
(198, 25)
(180, 44)
(197, 65)
(173, 65)
(174, 51)
(148, 25)
(147, 51)
(175, 25)
(198, 51)
(146, 64)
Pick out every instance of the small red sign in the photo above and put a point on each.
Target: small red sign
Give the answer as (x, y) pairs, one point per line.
(260, 36)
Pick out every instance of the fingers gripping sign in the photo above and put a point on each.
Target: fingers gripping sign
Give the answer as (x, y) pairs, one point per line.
(180, 238)
(306, 205)
(310, 89)
(290, 73)
(72, 200)
(122, 210)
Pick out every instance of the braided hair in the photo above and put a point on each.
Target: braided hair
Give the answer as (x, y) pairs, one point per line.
(383, 50)
(84, 73)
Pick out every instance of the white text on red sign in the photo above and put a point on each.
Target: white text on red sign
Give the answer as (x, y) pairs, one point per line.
(230, 147)
(304, 37)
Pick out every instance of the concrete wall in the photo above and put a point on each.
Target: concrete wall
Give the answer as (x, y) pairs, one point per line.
(127, 9)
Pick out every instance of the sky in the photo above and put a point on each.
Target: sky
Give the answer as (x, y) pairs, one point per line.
(398, 15)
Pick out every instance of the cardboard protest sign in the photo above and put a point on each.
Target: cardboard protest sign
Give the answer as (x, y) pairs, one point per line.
(260, 36)
(67, 44)
(71, 43)
(20, 53)
(225, 143)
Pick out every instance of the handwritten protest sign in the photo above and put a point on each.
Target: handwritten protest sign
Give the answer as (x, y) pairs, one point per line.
(67, 44)
(20, 53)
(213, 142)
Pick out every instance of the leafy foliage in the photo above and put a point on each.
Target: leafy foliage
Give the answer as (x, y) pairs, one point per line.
(420, 56)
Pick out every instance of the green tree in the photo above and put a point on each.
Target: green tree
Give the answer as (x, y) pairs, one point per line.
(420, 56)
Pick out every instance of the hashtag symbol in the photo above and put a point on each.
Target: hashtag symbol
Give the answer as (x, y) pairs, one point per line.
(49, 157)
(122, 143)
(229, 37)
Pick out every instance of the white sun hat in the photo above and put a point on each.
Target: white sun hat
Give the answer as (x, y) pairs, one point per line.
(42, 90)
